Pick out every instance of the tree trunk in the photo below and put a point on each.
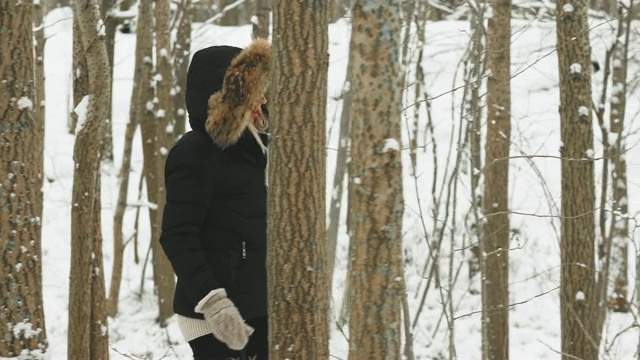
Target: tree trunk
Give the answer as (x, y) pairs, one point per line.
(473, 114)
(231, 16)
(80, 74)
(298, 300)
(619, 263)
(181, 56)
(146, 95)
(21, 165)
(495, 204)
(110, 25)
(376, 196)
(579, 336)
(135, 112)
(118, 217)
(39, 106)
(162, 139)
(88, 336)
(262, 22)
(338, 9)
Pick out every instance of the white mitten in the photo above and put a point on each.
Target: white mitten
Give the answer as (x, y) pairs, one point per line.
(224, 319)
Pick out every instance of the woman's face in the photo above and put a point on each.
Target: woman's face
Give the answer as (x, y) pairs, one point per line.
(257, 108)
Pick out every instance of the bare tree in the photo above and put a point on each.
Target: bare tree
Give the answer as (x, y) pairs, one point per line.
(88, 335)
(338, 9)
(181, 56)
(80, 74)
(298, 292)
(262, 23)
(578, 298)
(21, 145)
(111, 20)
(146, 104)
(163, 137)
(39, 42)
(136, 110)
(495, 202)
(110, 23)
(376, 204)
(232, 15)
(619, 252)
(472, 112)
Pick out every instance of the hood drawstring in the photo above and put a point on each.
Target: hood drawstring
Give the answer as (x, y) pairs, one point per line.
(254, 131)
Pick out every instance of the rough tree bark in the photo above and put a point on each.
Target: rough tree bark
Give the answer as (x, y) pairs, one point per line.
(80, 74)
(262, 23)
(39, 103)
(163, 137)
(21, 172)
(143, 48)
(88, 335)
(233, 16)
(181, 56)
(376, 196)
(473, 112)
(579, 336)
(619, 260)
(298, 290)
(495, 201)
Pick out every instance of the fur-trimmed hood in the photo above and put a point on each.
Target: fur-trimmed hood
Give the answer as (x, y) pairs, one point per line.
(208, 70)
(245, 82)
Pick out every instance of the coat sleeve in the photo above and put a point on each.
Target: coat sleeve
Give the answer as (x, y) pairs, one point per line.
(189, 189)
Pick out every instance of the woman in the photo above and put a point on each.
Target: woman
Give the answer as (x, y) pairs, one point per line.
(214, 221)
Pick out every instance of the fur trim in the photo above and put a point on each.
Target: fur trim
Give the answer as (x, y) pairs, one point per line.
(245, 82)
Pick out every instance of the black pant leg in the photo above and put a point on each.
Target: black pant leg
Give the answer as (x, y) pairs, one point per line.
(207, 347)
(258, 346)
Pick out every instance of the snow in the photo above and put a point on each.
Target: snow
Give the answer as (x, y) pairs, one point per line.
(101, 29)
(583, 111)
(575, 68)
(589, 153)
(81, 111)
(390, 144)
(24, 103)
(25, 330)
(567, 8)
(534, 189)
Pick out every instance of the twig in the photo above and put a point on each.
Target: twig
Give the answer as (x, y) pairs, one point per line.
(510, 305)
(558, 352)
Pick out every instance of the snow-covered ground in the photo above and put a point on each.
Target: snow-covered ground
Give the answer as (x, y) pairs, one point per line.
(534, 190)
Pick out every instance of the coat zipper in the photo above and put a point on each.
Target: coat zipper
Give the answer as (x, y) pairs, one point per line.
(244, 250)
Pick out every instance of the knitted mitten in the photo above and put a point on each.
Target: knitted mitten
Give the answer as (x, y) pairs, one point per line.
(224, 319)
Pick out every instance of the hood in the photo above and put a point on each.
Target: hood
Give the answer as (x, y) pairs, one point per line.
(223, 83)
(244, 84)
(205, 77)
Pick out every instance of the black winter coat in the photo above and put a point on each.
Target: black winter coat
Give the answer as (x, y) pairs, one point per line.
(214, 228)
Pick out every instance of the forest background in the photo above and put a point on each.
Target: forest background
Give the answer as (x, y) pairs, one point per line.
(444, 65)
